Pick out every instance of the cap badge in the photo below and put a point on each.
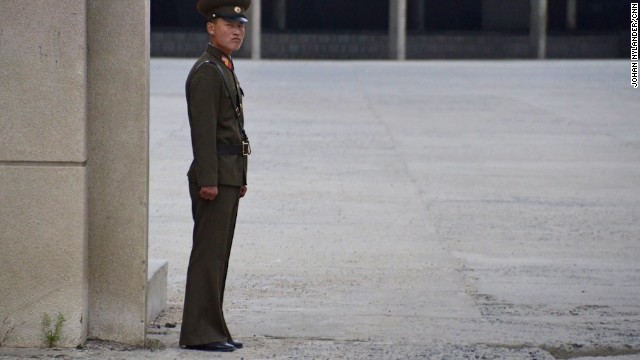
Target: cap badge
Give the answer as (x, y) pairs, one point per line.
(237, 9)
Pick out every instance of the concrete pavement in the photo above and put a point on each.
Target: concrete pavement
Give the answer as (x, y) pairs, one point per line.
(409, 210)
(424, 202)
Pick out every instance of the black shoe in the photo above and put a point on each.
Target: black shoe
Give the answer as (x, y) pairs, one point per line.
(214, 346)
(235, 344)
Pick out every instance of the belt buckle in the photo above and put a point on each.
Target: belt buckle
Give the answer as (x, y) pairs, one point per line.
(246, 148)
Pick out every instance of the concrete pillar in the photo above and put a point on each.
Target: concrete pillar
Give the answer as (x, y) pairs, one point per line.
(43, 154)
(397, 29)
(118, 168)
(74, 96)
(538, 28)
(572, 14)
(280, 14)
(255, 25)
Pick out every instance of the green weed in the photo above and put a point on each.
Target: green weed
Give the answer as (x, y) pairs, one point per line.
(52, 335)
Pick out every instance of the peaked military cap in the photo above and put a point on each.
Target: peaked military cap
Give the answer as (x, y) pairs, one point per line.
(233, 10)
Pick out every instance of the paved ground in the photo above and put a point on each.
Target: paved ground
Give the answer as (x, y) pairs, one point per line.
(416, 210)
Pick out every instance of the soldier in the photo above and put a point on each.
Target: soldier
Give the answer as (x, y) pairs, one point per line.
(217, 176)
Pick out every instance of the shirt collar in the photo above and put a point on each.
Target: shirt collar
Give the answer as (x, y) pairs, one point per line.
(218, 54)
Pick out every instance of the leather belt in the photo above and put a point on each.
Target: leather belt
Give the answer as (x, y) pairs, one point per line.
(243, 149)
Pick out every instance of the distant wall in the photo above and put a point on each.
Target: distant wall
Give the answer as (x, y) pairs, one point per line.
(374, 46)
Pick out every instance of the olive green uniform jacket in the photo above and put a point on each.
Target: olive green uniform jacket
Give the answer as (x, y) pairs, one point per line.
(213, 122)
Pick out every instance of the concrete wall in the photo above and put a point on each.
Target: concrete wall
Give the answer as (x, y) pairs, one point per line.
(73, 169)
(118, 167)
(43, 257)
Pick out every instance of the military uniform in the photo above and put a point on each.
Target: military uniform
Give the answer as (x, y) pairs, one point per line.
(220, 149)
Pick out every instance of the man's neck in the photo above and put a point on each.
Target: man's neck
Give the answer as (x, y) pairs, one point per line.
(219, 49)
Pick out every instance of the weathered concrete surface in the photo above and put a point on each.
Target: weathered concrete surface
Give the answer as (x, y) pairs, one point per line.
(118, 168)
(42, 253)
(156, 302)
(74, 110)
(43, 258)
(42, 75)
(417, 210)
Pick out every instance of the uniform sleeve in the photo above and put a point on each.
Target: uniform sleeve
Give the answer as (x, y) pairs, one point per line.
(204, 105)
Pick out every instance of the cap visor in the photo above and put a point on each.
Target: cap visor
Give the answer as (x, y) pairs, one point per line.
(239, 18)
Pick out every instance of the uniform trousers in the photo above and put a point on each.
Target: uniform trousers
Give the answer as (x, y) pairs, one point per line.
(214, 225)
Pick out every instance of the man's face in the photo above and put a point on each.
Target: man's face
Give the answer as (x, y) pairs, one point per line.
(226, 35)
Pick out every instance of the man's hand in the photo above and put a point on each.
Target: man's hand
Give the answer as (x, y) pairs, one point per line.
(243, 190)
(209, 192)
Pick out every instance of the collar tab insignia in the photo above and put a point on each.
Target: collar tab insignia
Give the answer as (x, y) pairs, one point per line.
(227, 62)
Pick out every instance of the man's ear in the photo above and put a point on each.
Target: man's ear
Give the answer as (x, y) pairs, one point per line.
(210, 28)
